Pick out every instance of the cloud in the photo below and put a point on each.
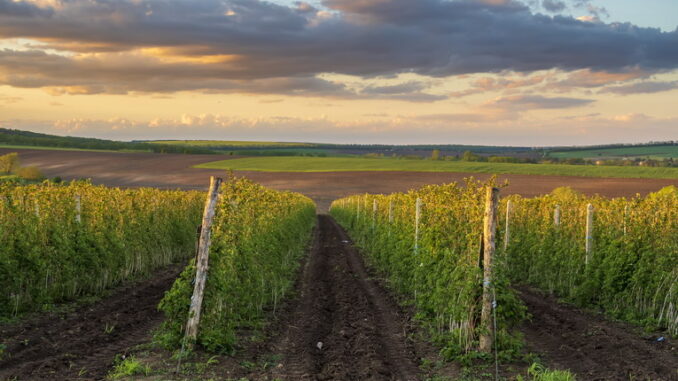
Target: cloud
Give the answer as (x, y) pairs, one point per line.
(642, 88)
(554, 6)
(154, 45)
(521, 102)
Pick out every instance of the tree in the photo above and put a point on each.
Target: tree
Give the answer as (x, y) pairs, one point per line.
(9, 163)
(435, 154)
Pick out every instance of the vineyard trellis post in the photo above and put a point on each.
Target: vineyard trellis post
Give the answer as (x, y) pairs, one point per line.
(202, 261)
(626, 216)
(589, 232)
(417, 217)
(390, 211)
(507, 231)
(78, 210)
(489, 234)
(374, 213)
(556, 216)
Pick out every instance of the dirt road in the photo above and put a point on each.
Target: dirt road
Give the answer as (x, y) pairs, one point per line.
(343, 325)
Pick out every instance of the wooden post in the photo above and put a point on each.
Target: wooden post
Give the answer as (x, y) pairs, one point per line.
(489, 232)
(357, 210)
(417, 216)
(202, 263)
(626, 216)
(507, 232)
(589, 232)
(78, 217)
(374, 213)
(390, 211)
(556, 216)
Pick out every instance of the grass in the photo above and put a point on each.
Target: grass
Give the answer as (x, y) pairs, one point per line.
(129, 367)
(342, 164)
(7, 146)
(229, 143)
(653, 152)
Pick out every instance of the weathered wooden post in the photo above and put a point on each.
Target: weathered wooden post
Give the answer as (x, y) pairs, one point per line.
(374, 213)
(202, 262)
(589, 232)
(417, 216)
(489, 233)
(357, 213)
(556, 216)
(507, 231)
(626, 216)
(390, 211)
(78, 217)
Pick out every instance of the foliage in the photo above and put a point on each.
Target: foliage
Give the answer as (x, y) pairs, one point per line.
(130, 366)
(257, 238)
(632, 271)
(9, 163)
(537, 372)
(440, 274)
(47, 256)
(30, 173)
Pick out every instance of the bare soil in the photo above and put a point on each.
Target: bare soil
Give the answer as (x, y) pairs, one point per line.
(592, 346)
(82, 344)
(344, 327)
(174, 171)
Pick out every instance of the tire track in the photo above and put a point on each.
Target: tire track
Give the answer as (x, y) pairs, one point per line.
(344, 326)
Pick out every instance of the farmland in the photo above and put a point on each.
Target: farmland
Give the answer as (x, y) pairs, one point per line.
(332, 164)
(361, 272)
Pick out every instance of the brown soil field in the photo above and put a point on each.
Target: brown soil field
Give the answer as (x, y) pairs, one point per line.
(174, 171)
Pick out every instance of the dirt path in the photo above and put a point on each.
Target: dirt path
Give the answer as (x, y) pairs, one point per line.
(83, 343)
(593, 347)
(344, 326)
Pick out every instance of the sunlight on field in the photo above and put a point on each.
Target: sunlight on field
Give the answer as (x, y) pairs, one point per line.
(335, 164)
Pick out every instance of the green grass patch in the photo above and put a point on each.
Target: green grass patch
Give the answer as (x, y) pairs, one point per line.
(347, 164)
(129, 367)
(652, 152)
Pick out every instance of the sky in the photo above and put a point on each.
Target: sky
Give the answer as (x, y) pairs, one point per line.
(492, 72)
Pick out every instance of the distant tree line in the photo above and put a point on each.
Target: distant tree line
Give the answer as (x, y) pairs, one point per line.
(27, 138)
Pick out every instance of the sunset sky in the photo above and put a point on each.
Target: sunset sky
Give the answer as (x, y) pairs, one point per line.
(500, 72)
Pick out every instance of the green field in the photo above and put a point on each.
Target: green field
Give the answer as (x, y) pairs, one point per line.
(227, 143)
(652, 152)
(339, 164)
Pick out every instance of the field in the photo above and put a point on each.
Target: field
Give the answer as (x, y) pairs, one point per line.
(231, 144)
(652, 152)
(335, 313)
(333, 164)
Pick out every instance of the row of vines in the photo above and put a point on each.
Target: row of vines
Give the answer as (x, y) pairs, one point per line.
(632, 268)
(432, 258)
(62, 241)
(434, 264)
(258, 237)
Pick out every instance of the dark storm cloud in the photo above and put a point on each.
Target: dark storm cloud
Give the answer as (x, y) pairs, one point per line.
(554, 5)
(359, 37)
